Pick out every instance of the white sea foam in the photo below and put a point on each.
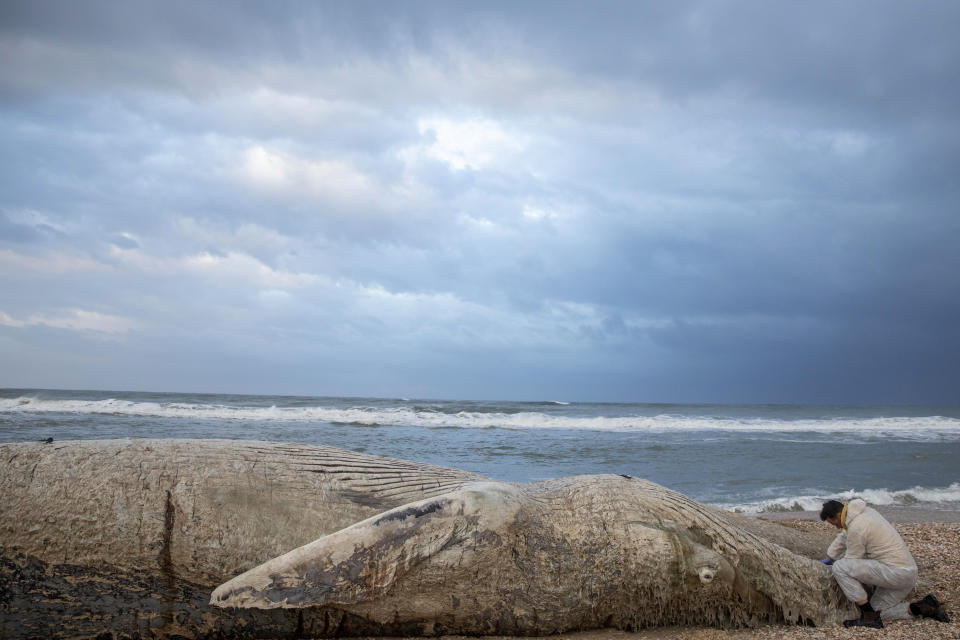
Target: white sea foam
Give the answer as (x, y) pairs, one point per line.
(880, 497)
(432, 417)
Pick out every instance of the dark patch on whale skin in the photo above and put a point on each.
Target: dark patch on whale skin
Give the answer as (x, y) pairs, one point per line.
(166, 564)
(234, 592)
(366, 499)
(416, 512)
(296, 595)
(166, 559)
(316, 585)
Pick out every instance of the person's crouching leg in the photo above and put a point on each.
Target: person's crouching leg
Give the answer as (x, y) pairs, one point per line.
(846, 572)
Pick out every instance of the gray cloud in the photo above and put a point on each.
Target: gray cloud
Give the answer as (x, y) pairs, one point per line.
(624, 201)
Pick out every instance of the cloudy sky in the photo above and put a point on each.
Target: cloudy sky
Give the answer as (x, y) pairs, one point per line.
(643, 201)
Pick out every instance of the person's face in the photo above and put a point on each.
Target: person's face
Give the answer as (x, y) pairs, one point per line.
(835, 521)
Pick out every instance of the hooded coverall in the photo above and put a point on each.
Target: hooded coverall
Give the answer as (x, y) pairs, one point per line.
(873, 553)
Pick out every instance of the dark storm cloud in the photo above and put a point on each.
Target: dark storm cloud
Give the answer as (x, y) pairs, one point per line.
(686, 201)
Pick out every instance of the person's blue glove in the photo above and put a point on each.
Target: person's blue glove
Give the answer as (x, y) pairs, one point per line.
(827, 561)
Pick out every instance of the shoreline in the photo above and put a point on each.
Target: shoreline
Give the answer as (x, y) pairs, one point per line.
(920, 513)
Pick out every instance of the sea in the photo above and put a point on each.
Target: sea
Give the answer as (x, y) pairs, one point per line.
(751, 458)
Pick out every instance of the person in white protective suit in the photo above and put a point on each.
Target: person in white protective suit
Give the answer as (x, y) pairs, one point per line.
(868, 551)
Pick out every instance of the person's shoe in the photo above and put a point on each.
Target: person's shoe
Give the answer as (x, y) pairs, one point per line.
(929, 607)
(867, 619)
(931, 600)
(940, 615)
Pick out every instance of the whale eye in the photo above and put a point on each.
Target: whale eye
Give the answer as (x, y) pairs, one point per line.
(706, 575)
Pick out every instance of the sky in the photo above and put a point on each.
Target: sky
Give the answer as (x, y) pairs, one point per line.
(612, 201)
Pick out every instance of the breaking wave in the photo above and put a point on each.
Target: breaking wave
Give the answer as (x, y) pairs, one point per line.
(917, 496)
(451, 415)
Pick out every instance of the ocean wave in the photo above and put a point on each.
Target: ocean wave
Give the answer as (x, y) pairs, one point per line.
(444, 416)
(917, 496)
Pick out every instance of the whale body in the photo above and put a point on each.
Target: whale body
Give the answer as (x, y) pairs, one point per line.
(573, 553)
(132, 538)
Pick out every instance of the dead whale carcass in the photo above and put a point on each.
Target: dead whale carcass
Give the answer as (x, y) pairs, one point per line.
(566, 554)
